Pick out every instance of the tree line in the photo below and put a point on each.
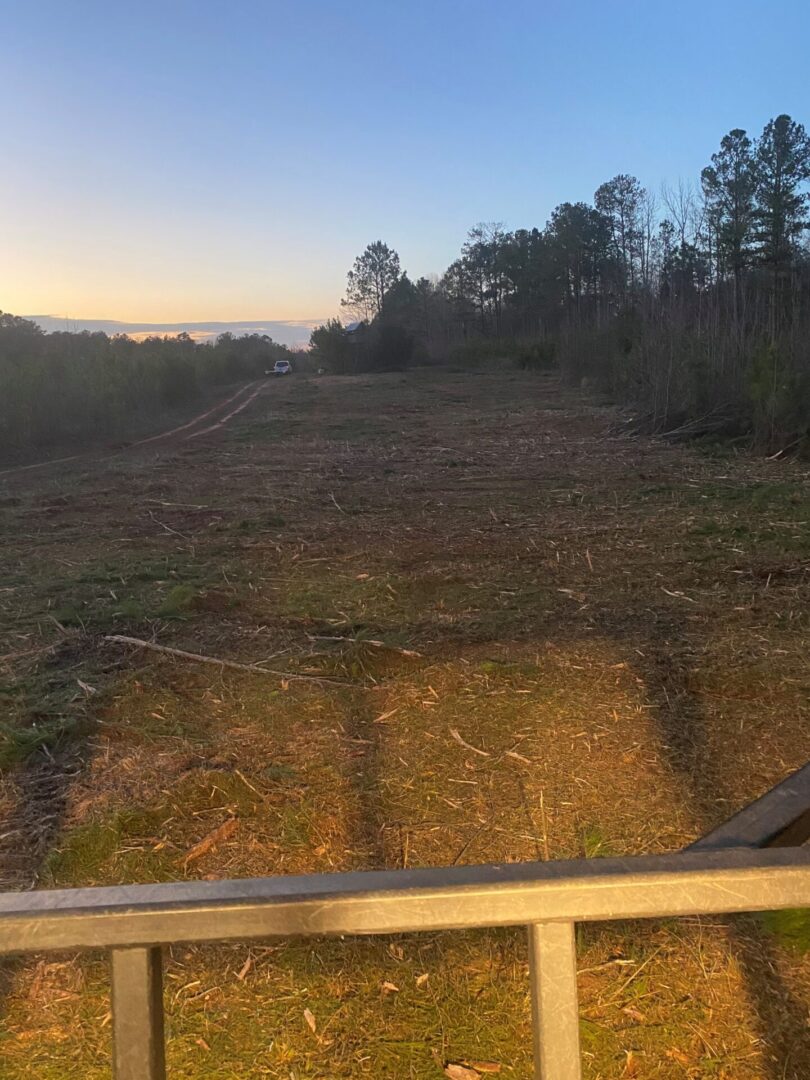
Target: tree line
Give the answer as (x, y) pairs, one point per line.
(59, 386)
(693, 303)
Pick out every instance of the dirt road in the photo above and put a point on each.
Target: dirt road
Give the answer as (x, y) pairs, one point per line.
(204, 423)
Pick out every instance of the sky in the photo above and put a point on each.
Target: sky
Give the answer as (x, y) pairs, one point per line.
(190, 161)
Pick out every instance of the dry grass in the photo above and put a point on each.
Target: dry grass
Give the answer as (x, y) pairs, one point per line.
(558, 642)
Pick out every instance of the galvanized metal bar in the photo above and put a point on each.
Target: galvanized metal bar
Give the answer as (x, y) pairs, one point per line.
(555, 1007)
(780, 818)
(687, 883)
(137, 1008)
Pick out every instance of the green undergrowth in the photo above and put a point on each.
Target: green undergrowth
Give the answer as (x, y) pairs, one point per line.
(763, 521)
(523, 354)
(18, 743)
(47, 706)
(783, 499)
(105, 596)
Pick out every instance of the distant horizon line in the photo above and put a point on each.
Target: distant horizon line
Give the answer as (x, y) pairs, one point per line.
(175, 323)
(291, 332)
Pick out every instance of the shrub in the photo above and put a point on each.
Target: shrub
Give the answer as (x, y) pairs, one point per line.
(60, 386)
(537, 356)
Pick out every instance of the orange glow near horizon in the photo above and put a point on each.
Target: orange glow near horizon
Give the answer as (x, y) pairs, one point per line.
(108, 275)
(91, 301)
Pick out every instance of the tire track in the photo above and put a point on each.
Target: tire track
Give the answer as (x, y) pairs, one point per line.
(201, 417)
(219, 423)
(258, 384)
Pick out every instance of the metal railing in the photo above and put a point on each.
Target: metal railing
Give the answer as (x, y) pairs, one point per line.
(754, 862)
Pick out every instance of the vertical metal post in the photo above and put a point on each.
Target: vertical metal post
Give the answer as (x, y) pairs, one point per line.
(137, 1008)
(555, 1009)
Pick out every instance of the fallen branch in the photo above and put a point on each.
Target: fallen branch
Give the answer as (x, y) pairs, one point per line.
(695, 430)
(784, 450)
(721, 420)
(457, 738)
(199, 658)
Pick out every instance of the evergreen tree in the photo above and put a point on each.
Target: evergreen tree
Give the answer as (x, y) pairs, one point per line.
(782, 168)
(374, 274)
(729, 186)
(620, 201)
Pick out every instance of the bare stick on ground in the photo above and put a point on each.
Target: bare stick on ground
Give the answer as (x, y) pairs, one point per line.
(199, 658)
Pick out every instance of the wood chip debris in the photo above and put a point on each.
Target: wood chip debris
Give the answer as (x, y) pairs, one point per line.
(470, 1070)
(518, 757)
(457, 738)
(212, 840)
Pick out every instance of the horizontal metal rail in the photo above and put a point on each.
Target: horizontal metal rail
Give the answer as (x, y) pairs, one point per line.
(399, 901)
(725, 872)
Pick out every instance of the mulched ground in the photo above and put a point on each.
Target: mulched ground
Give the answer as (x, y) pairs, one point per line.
(548, 640)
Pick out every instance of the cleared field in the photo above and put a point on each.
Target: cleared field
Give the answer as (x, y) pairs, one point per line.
(534, 638)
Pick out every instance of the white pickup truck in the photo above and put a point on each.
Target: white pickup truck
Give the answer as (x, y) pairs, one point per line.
(281, 367)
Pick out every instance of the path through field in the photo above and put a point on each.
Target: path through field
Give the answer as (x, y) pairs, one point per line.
(214, 417)
(550, 641)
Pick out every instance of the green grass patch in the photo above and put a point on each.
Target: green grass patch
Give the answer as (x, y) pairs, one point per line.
(480, 603)
(68, 615)
(92, 854)
(146, 844)
(509, 669)
(791, 927)
(46, 707)
(789, 499)
(181, 602)
(595, 844)
(17, 744)
(105, 595)
(130, 609)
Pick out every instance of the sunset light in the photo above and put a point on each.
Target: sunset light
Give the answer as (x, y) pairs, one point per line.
(405, 540)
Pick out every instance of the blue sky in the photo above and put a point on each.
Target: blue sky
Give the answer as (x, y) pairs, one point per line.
(226, 161)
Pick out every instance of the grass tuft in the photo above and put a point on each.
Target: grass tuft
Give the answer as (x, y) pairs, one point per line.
(17, 744)
(594, 843)
(180, 603)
